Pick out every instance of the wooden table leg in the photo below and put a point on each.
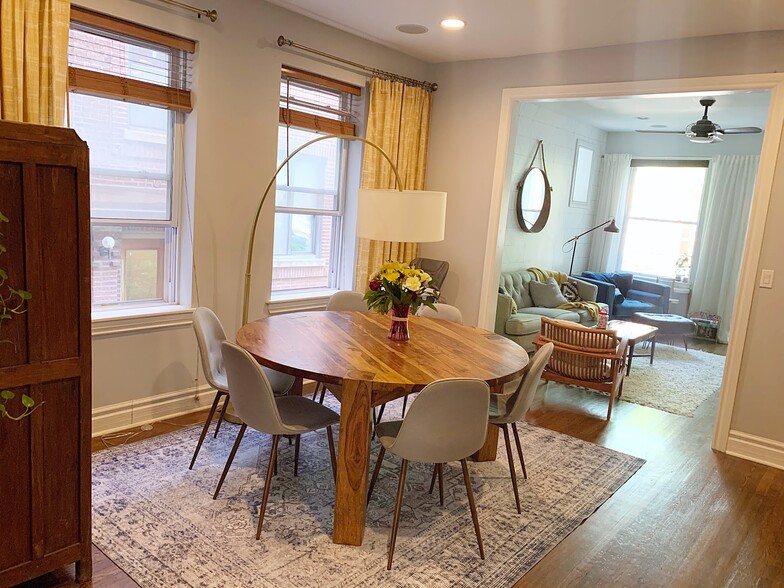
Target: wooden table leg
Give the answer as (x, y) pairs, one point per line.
(490, 448)
(296, 387)
(629, 358)
(353, 461)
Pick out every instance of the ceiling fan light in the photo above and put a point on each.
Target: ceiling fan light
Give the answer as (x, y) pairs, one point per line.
(712, 138)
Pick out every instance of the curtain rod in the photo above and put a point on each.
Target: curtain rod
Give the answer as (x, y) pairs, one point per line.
(211, 14)
(429, 86)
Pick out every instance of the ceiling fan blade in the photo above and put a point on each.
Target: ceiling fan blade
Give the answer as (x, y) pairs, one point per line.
(660, 132)
(740, 130)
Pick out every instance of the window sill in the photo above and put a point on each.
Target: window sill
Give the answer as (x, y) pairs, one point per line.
(297, 301)
(135, 320)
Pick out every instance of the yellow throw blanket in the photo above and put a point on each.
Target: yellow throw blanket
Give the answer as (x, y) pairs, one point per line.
(560, 277)
(542, 275)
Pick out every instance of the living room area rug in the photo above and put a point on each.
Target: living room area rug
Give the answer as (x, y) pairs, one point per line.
(157, 520)
(678, 381)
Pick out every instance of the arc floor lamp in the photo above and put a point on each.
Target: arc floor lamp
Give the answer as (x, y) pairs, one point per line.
(609, 227)
(413, 216)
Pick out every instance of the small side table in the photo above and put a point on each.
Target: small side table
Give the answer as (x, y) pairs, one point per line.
(635, 333)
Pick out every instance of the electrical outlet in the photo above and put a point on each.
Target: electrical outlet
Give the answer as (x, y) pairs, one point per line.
(766, 278)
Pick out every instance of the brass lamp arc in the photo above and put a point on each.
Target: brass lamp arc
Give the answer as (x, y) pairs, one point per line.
(271, 183)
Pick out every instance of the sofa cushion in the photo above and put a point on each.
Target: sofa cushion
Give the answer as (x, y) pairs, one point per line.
(630, 306)
(523, 324)
(516, 285)
(623, 281)
(553, 313)
(547, 294)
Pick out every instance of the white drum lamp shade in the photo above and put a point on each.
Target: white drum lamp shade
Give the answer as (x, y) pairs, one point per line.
(408, 216)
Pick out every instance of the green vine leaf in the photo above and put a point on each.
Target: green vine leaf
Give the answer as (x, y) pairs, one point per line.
(3, 274)
(2, 409)
(7, 395)
(27, 402)
(3, 218)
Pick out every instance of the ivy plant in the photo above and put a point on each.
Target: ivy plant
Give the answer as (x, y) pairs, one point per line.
(13, 301)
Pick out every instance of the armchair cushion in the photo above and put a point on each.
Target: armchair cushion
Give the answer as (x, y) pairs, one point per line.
(623, 281)
(523, 324)
(547, 294)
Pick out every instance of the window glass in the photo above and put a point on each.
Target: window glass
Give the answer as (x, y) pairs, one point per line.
(130, 157)
(661, 219)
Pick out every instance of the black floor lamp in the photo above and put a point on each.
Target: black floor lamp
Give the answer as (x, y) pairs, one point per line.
(609, 227)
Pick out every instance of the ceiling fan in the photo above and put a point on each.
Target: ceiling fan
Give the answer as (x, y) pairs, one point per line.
(705, 130)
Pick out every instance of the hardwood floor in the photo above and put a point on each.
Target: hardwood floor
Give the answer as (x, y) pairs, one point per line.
(689, 517)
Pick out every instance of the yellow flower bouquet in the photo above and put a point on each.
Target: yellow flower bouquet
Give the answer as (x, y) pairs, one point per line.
(400, 288)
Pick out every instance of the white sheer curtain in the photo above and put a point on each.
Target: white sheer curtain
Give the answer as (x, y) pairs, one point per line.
(724, 216)
(613, 186)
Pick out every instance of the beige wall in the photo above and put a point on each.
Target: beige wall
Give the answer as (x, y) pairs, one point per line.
(231, 142)
(464, 135)
(759, 405)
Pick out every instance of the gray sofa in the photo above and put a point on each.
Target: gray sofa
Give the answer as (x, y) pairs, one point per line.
(522, 326)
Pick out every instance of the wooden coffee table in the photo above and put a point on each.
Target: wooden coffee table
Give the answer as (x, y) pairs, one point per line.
(635, 333)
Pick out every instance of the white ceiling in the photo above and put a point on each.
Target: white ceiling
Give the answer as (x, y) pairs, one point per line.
(732, 109)
(506, 28)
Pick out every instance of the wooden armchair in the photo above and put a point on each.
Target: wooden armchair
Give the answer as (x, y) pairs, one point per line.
(591, 358)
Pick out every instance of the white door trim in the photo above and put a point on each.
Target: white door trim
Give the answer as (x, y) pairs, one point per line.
(758, 215)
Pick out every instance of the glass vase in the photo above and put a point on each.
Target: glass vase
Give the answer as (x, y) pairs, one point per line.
(398, 330)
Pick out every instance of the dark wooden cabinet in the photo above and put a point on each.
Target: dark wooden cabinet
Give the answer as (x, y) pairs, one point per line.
(45, 458)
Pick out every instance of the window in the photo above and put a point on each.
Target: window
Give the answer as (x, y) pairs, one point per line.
(662, 215)
(129, 92)
(310, 190)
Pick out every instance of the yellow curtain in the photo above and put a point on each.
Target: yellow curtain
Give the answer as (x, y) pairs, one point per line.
(34, 60)
(399, 123)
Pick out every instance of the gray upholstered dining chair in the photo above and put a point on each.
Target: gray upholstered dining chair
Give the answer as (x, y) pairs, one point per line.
(437, 269)
(278, 416)
(342, 300)
(446, 422)
(506, 410)
(210, 335)
(445, 312)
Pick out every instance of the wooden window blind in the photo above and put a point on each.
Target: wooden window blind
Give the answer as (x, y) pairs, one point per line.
(318, 103)
(118, 59)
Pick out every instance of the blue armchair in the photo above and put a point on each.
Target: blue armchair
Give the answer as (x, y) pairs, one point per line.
(624, 294)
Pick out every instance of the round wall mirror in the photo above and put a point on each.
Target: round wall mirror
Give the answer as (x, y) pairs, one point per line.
(533, 200)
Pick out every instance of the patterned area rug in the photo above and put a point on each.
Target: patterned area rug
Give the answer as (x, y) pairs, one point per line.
(157, 521)
(677, 382)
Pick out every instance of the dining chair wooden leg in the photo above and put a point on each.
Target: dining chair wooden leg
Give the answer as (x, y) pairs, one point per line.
(268, 482)
(396, 517)
(508, 443)
(205, 429)
(377, 419)
(519, 449)
(376, 470)
(433, 479)
(323, 393)
(441, 484)
(296, 455)
(222, 414)
(316, 390)
(403, 412)
(471, 504)
(231, 459)
(333, 460)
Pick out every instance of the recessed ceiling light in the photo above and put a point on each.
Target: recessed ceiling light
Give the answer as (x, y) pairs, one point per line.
(643, 117)
(452, 24)
(412, 29)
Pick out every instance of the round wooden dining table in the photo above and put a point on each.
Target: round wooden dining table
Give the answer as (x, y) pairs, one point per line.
(350, 349)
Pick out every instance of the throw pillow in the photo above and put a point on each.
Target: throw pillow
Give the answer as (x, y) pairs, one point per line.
(570, 291)
(547, 294)
(624, 282)
(502, 290)
(619, 297)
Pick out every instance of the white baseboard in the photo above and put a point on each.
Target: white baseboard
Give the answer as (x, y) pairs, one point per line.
(114, 417)
(758, 449)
